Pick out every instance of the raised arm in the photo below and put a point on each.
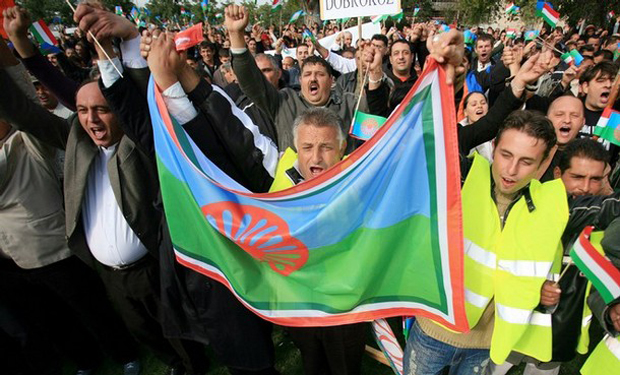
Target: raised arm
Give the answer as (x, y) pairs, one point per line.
(16, 23)
(250, 78)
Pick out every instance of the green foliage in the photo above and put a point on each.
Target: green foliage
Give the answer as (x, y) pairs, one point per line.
(474, 12)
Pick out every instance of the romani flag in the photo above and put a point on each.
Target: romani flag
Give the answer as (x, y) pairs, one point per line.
(276, 6)
(511, 33)
(577, 58)
(605, 277)
(608, 126)
(469, 38)
(550, 15)
(118, 10)
(365, 125)
(378, 235)
(416, 10)
(204, 4)
(296, 16)
(531, 35)
(135, 15)
(42, 33)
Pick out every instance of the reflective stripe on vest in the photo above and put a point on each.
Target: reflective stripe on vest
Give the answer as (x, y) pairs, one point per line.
(510, 264)
(605, 359)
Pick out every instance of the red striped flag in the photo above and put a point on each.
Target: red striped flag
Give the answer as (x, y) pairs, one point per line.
(605, 277)
(389, 344)
(42, 33)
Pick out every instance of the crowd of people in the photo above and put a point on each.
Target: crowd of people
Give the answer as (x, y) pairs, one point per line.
(84, 240)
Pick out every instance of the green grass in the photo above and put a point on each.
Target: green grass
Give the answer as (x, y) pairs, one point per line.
(288, 361)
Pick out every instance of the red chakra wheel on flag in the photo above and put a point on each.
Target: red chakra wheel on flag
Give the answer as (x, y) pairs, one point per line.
(369, 126)
(261, 233)
(617, 132)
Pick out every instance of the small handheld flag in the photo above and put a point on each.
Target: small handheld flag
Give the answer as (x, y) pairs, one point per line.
(387, 341)
(308, 34)
(531, 35)
(118, 10)
(607, 126)
(600, 271)
(42, 33)
(567, 58)
(550, 15)
(577, 58)
(469, 37)
(48, 49)
(365, 125)
(276, 6)
(617, 52)
(416, 10)
(135, 15)
(511, 33)
(377, 19)
(512, 8)
(188, 38)
(296, 16)
(610, 15)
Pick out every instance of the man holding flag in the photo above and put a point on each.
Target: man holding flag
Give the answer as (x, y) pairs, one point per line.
(285, 105)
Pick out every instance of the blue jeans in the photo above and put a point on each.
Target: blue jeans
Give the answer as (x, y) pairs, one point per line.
(426, 356)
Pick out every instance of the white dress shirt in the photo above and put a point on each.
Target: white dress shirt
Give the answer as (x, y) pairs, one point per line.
(108, 235)
(341, 64)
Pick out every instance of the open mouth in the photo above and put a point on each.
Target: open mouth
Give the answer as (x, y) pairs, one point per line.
(479, 112)
(565, 130)
(313, 88)
(605, 96)
(316, 170)
(98, 132)
(508, 182)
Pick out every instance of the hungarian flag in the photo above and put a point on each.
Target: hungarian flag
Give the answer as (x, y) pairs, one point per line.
(512, 8)
(42, 33)
(550, 15)
(605, 277)
(539, 7)
(364, 125)
(276, 6)
(511, 33)
(377, 235)
(567, 58)
(607, 126)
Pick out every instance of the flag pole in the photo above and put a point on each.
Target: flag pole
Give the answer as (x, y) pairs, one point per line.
(563, 272)
(280, 22)
(361, 92)
(98, 44)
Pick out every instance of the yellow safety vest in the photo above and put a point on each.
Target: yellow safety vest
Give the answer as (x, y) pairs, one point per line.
(281, 181)
(511, 264)
(605, 359)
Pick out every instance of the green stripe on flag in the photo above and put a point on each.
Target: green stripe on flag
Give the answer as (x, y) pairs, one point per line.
(370, 274)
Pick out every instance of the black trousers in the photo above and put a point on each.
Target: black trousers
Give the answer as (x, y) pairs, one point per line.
(136, 293)
(65, 302)
(336, 350)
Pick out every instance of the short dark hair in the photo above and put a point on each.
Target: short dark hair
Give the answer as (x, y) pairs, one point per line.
(381, 38)
(206, 44)
(224, 52)
(317, 60)
(586, 48)
(400, 41)
(532, 123)
(605, 68)
(607, 55)
(485, 37)
(582, 148)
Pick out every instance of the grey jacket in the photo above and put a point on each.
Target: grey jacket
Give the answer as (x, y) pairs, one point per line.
(132, 173)
(283, 106)
(32, 220)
